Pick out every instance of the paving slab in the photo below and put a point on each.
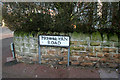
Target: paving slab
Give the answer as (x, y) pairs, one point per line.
(107, 73)
(5, 30)
(5, 33)
(0, 54)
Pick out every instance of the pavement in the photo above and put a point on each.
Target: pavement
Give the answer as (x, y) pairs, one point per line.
(5, 33)
(0, 55)
(106, 73)
(24, 70)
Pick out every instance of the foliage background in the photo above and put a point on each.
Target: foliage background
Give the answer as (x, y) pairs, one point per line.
(62, 17)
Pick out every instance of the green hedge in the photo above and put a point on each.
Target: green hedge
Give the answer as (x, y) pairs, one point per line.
(27, 18)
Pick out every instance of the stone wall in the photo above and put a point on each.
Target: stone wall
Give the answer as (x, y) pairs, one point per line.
(26, 49)
(85, 50)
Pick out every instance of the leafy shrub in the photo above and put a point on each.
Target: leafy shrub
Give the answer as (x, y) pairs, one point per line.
(58, 17)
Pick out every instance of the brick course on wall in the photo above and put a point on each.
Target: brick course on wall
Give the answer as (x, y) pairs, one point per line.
(85, 50)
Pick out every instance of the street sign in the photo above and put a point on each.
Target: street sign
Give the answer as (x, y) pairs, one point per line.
(61, 41)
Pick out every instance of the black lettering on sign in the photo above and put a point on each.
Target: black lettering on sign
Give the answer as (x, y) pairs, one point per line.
(58, 38)
(48, 42)
(42, 37)
(55, 38)
(52, 42)
(61, 38)
(47, 38)
(55, 42)
(59, 42)
(65, 38)
(50, 38)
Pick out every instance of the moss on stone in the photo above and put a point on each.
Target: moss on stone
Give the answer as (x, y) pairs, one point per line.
(25, 50)
(83, 42)
(84, 36)
(75, 34)
(77, 48)
(74, 42)
(33, 50)
(113, 37)
(49, 32)
(35, 45)
(27, 45)
(71, 43)
(116, 44)
(96, 36)
(95, 43)
(22, 34)
(105, 38)
(17, 48)
(22, 44)
(107, 44)
(71, 48)
(80, 36)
